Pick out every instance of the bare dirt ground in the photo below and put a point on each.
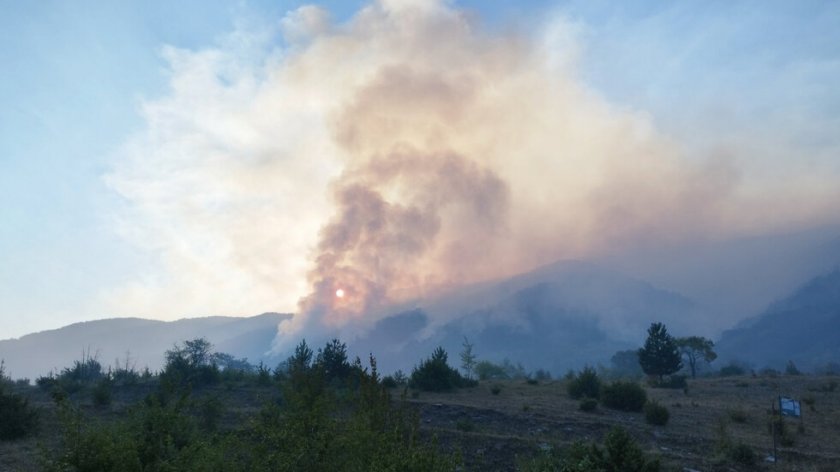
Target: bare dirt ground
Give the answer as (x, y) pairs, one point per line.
(496, 432)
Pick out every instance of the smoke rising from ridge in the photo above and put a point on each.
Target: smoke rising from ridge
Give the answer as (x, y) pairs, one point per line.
(402, 152)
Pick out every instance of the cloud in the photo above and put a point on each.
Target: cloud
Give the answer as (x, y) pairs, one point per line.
(402, 152)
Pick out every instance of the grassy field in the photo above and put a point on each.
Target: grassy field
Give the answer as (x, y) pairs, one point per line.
(502, 430)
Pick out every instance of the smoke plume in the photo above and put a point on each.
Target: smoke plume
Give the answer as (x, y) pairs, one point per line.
(402, 152)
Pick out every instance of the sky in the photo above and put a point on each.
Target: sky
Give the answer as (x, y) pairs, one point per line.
(177, 159)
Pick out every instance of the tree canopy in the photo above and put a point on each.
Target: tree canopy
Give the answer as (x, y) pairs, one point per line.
(695, 349)
(660, 355)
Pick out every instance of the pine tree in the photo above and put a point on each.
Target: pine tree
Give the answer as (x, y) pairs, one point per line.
(660, 356)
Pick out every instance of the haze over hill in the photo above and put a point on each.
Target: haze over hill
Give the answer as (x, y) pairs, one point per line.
(559, 316)
(143, 340)
(803, 327)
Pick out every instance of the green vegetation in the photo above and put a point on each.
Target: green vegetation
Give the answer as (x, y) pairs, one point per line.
(468, 358)
(656, 414)
(319, 426)
(486, 370)
(742, 454)
(696, 349)
(584, 384)
(319, 410)
(588, 404)
(732, 370)
(435, 375)
(17, 418)
(660, 355)
(619, 453)
(624, 396)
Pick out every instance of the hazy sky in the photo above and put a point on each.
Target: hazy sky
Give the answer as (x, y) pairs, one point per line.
(170, 159)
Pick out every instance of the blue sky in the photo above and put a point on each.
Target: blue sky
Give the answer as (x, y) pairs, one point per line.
(758, 77)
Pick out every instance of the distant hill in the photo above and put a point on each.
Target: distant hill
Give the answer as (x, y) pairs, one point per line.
(560, 316)
(803, 328)
(144, 340)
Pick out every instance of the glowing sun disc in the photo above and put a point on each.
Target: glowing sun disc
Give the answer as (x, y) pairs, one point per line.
(339, 293)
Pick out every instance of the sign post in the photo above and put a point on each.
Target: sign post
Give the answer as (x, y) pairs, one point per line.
(787, 407)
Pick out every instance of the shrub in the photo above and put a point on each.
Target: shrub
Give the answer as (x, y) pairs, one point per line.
(625, 396)
(542, 375)
(656, 414)
(738, 416)
(829, 387)
(17, 418)
(673, 381)
(811, 402)
(434, 374)
(791, 369)
(732, 370)
(620, 453)
(191, 364)
(210, 411)
(585, 384)
(588, 404)
(486, 370)
(389, 382)
(495, 389)
(400, 378)
(263, 375)
(101, 394)
(46, 382)
(742, 454)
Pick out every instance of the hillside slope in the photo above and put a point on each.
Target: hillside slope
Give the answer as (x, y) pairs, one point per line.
(803, 328)
(144, 341)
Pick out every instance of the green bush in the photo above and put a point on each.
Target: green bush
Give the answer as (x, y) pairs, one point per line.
(732, 370)
(434, 374)
(738, 416)
(191, 364)
(588, 404)
(584, 384)
(17, 418)
(656, 414)
(102, 393)
(620, 453)
(672, 381)
(742, 454)
(625, 396)
(496, 389)
(389, 382)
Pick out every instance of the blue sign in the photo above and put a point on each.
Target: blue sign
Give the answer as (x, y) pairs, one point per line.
(789, 407)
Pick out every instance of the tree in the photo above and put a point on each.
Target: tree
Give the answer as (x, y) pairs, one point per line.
(434, 374)
(468, 358)
(694, 349)
(332, 360)
(301, 360)
(660, 355)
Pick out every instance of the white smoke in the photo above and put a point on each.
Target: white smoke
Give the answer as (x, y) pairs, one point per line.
(402, 151)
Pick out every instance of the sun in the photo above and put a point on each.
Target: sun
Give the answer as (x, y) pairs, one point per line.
(339, 293)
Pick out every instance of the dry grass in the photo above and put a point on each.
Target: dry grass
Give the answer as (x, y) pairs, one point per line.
(690, 438)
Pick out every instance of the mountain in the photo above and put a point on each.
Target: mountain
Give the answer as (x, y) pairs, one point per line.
(560, 316)
(803, 328)
(143, 341)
